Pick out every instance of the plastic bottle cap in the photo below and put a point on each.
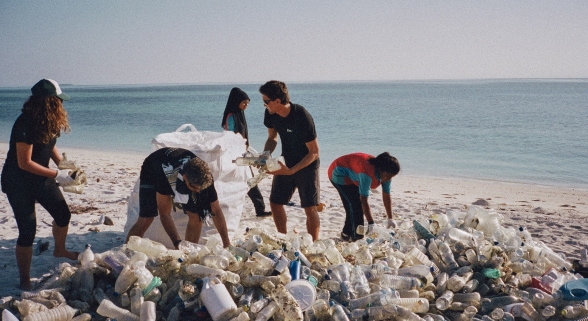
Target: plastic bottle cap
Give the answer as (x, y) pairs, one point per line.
(303, 291)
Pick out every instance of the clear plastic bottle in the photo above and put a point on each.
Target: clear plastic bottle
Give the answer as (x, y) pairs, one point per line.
(381, 297)
(359, 282)
(337, 312)
(444, 300)
(60, 313)
(26, 307)
(416, 305)
(400, 282)
(201, 271)
(267, 312)
(147, 246)
(125, 279)
(137, 299)
(148, 311)
(215, 261)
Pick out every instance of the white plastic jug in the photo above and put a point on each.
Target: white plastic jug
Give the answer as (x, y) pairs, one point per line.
(216, 298)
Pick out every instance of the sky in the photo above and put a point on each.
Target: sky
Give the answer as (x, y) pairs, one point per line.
(111, 42)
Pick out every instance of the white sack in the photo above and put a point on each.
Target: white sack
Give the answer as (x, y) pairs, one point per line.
(218, 150)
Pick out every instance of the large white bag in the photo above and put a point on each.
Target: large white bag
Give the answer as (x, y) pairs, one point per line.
(218, 150)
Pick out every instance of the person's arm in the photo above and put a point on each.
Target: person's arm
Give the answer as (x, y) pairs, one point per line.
(367, 212)
(272, 140)
(311, 156)
(387, 199)
(219, 222)
(24, 153)
(164, 207)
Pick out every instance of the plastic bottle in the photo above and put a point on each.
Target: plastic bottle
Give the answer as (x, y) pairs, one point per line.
(147, 246)
(359, 282)
(26, 307)
(295, 267)
(267, 312)
(148, 311)
(110, 310)
(444, 300)
(215, 261)
(334, 256)
(259, 305)
(216, 298)
(399, 282)
(155, 282)
(381, 297)
(60, 313)
(125, 280)
(246, 299)
(201, 271)
(337, 312)
(137, 299)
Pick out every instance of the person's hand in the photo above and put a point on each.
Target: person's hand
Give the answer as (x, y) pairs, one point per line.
(63, 177)
(391, 223)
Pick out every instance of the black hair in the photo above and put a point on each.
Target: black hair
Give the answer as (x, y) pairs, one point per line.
(274, 89)
(386, 163)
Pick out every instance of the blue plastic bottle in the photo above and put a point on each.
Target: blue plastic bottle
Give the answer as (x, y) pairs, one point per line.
(295, 267)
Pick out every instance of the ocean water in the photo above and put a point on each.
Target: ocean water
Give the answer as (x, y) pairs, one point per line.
(529, 131)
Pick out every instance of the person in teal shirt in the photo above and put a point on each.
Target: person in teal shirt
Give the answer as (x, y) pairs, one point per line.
(234, 120)
(354, 176)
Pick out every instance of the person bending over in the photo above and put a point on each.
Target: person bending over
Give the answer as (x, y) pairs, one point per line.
(297, 133)
(177, 177)
(27, 178)
(354, 175)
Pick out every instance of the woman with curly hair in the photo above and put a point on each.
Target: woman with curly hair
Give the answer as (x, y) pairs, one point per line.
(354, 176)
(27, 178)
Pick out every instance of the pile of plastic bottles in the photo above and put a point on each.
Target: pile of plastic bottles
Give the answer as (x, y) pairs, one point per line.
(455, 266)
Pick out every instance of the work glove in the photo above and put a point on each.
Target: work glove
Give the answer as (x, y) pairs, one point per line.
(391, 223)
(63, 177)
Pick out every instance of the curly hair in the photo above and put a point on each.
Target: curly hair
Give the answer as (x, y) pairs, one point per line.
(48, 116)
(198, 173)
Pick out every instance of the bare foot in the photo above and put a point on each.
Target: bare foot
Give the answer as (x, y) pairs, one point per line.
(67, 254)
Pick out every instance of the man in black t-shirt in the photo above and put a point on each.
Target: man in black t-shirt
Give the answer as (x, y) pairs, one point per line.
(295, 127)
(177, 177)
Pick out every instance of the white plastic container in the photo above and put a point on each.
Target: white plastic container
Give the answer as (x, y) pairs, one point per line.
(216, 299)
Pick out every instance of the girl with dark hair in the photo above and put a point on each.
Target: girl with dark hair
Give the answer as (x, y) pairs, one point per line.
(234, 120)
(27, 178)
(354, 175)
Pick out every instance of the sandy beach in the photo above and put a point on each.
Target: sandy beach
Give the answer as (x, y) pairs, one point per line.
(556, 216)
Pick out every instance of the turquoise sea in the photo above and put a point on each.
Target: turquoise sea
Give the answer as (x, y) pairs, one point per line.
(528, 130)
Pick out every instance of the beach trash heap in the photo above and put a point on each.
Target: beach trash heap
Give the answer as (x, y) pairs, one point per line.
(453, 266)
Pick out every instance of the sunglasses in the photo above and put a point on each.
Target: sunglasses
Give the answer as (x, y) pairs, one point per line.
(267, 101)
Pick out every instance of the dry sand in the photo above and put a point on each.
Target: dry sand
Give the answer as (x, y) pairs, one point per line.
(556, 216)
